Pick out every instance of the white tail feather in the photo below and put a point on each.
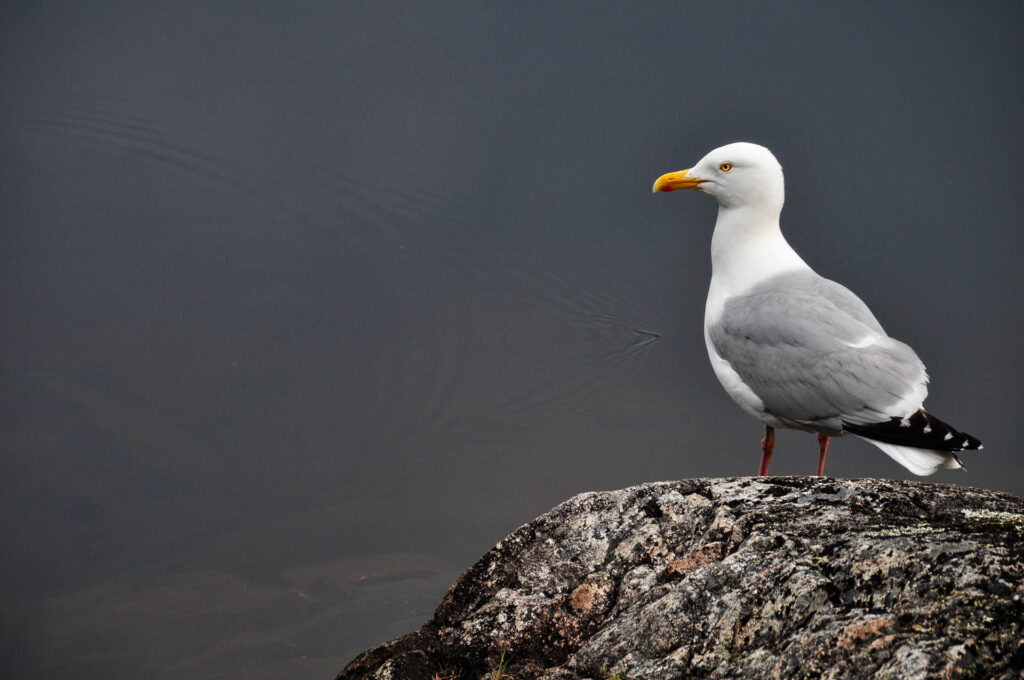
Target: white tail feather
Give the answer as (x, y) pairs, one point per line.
(919, 461)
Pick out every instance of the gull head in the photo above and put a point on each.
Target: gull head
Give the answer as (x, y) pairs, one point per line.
(737, 175)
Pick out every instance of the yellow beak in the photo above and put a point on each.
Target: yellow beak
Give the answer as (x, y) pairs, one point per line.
(676, 180)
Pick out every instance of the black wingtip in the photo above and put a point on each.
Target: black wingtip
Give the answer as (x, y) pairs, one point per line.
(921, 430)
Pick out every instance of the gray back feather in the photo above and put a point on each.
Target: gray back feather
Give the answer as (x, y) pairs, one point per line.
(789, 340)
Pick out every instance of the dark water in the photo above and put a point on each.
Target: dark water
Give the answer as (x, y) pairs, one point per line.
(306, 306)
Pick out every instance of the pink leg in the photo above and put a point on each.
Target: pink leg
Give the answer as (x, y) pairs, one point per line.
(767, 448)
(822, 450)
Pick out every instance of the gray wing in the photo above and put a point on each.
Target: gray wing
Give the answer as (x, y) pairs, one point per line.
(793, 340)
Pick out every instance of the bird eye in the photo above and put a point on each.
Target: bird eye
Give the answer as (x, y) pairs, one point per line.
(725, 167)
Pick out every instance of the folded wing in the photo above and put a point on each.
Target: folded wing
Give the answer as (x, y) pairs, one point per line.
(816, 356)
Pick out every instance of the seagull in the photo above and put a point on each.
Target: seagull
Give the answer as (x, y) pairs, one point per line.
(794, 349)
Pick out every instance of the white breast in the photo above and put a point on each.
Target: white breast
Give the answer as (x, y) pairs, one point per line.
(741, 258)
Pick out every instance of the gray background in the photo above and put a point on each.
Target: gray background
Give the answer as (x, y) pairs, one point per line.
(306, 306)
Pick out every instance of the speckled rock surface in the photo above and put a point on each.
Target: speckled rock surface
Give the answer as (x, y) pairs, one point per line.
(777, 577)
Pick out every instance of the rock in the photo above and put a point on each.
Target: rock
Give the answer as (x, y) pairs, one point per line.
(773, 577)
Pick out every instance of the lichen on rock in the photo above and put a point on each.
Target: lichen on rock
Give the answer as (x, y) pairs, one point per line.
(774, 577)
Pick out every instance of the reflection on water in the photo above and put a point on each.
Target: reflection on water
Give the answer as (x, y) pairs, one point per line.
(209, 622)
(305, 309)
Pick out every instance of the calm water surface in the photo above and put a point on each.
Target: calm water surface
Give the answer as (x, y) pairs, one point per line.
(306, 307)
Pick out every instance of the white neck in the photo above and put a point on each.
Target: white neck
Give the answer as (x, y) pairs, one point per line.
(747, 248)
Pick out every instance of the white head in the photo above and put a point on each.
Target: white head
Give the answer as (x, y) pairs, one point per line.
(740, 175)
